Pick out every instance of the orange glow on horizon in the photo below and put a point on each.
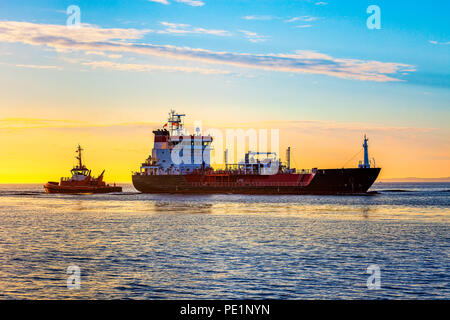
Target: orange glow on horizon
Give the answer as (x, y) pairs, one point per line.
(36, 152)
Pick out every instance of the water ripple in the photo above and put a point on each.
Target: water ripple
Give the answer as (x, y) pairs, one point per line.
(134, 246)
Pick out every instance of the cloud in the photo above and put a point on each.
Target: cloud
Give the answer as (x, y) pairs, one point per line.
(31, 33)
(97, 53)
(263, 18)
(148, 68)
(326, 125)
(253, 36)
(33, 66)
(304, 125)
(180, 28)
(439, 43)
(321, 3)
(292, 19)
(302, 18)
(303, 26)
(160, 1)
(30, 123)
(103, 54)
(120, 41)
(192, 3)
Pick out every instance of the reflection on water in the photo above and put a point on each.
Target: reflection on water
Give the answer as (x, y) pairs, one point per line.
(365, 211)
(181, 207)
(225, 246)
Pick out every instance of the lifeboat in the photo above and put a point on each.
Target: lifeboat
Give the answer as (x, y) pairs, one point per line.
(81, 181)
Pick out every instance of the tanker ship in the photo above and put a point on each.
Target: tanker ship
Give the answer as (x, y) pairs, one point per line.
(180, 163)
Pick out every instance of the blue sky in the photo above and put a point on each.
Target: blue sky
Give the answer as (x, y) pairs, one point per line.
(310, 67)
(413, 33)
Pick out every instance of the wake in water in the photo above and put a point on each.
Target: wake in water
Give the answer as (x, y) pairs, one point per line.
(20, 193)
(395, 190)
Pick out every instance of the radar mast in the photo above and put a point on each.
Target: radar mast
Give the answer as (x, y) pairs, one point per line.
(176, 123)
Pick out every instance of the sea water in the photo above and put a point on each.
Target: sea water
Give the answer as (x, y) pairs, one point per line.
(137, 246)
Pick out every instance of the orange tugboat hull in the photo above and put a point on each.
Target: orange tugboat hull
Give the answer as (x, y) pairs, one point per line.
(56, 188)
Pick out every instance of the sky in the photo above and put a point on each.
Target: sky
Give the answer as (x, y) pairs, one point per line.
(316, 70)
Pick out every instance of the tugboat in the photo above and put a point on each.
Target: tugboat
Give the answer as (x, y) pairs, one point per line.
(81, 181)
(161, 174)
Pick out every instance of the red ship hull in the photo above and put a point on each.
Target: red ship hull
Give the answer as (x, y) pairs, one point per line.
(54, 187)
(328, 181)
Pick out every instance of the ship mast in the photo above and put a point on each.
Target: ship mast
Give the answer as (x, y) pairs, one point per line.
(80, 164)
(366, 153)
(176, 123)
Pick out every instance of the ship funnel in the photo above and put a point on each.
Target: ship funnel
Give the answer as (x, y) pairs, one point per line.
(225, 158)
(288, 157)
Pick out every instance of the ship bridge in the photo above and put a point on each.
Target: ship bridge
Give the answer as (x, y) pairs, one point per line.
(175, 151)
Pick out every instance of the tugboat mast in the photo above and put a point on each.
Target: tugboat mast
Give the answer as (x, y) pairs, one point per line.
(80, 164)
